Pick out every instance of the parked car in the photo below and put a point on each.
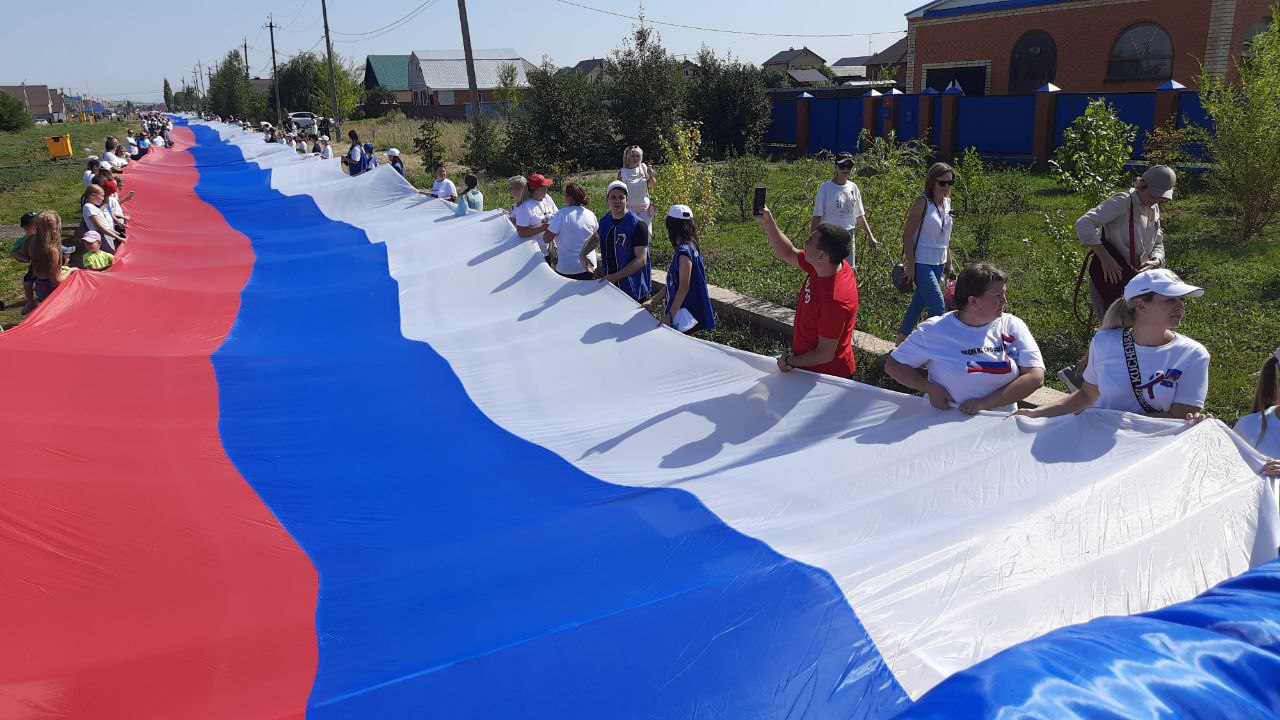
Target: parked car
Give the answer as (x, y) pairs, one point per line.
(303, 119)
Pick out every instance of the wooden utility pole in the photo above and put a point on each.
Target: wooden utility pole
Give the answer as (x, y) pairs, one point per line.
(245, 41)
(275, 84)
(333, 83)
(471, 63)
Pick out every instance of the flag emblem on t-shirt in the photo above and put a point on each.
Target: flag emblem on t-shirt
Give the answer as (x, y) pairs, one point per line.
(1161, 379)
(1009, 341)
(1000, 367)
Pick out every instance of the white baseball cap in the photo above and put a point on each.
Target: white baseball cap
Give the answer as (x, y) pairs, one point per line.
(680, 212)
(324, 138)
(616, 184)
(392, 152)
(1162, 282)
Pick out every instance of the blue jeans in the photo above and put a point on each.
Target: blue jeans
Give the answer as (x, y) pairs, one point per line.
(927, 296)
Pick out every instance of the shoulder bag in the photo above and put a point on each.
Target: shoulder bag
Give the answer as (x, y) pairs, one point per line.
(900, 280)
(1107, 290)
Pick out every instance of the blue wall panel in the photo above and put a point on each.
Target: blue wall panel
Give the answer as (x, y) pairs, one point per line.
(822, 124)
(996, 124)
(850, 124)
(783, 127)
(1134, 108)
(908, 117)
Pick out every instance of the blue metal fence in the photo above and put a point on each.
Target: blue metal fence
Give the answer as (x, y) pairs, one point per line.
(1134, 108)
(996, 124)
(783, 128)
(908, 117)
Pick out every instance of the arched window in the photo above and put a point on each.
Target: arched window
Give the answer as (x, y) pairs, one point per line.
(1034, 62)
(1143, 52)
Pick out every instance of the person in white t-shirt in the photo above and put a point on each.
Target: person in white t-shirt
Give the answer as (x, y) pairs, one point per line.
(1261, 428)
(978, 357)
(570, 229)
(326, 150)
(1137, 363)
(117, 163)
(96, 217)
(926, 246)
(638, 177)
(90, 169)
(839, 202)
(443, 187)
(533, 216)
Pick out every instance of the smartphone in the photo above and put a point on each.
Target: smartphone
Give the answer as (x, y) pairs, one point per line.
(757, 202)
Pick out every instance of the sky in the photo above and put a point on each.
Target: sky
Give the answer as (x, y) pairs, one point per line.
(181, 34)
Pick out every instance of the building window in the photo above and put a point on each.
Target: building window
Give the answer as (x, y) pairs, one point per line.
(1143, 52)
(1254, 31)
(1034, 62)
(971, 79)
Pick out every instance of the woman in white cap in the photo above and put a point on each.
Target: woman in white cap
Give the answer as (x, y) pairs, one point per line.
(1124, 237)
(393, 159)
(688, 306)
(1137, 362)
(638, 178)
(1261, 428)
(326, 150)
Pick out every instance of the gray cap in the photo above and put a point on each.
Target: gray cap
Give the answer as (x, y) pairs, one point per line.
(1160, 180)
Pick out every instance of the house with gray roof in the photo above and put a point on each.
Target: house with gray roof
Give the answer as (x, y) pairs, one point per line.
(792, 58)
(36, 98)
(438, 83)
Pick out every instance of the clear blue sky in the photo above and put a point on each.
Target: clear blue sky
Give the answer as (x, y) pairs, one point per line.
(136, 62)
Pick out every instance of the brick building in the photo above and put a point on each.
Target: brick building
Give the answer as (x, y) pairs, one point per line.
(999, 47)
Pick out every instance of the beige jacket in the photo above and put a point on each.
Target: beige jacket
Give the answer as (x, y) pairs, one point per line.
(1113, 216)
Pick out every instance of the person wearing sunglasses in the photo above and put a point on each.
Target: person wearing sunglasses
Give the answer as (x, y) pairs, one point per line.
(839, 202)
(926, 247)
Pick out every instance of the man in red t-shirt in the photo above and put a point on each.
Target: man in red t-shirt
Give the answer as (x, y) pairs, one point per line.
(827, 308)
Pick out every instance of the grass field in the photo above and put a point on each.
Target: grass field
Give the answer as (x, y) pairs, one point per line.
(1032, 239)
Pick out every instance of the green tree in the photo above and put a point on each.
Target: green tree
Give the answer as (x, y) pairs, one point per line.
(1245, 142)
(684, 180)
(775, 78)
(561, 123)
(13, 113)
(1095, 148)
(429, 144)
(736, 181)
(727, 99)
(484, 144)
(231, 94)
(645, 87)
(508, 94)
(168, 96)
(304, 85)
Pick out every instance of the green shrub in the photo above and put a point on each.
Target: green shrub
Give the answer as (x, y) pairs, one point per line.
(736, 181)
(791, 199)
(890, 175)
(13, 114)
(1095, 148)
(683, 180)
(1245, 142)
(484, 145)
(1167, 144)
(428, 143)
(646, 88)
(727, 99)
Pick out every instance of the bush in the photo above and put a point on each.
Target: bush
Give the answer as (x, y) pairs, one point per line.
(394, 115)
(890, 175)
(560, 122)
(645, 87)
(428, 144)
(13, 113)
(791, 201)
(982, 197)
(1167, 144)
(736, 181)
(484, 145)
(727, 99)
(1245, 141)
(1094, 149)
(683, 180)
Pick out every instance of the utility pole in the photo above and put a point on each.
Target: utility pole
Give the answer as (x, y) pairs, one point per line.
(246, 55)
(275, 85)
(471, 63)
(333, 83)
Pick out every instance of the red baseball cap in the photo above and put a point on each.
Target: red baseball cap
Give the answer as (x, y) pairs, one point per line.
(537, 181)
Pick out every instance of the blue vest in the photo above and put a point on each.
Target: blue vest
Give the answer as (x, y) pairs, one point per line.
(617, 250)
(696, 300)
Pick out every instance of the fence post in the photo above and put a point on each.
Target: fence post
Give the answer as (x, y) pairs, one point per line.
(870, 110)
(928, 97)
(1168, 100)
(890, 113)
(802, 123)
(947, 127)
(1045, 116)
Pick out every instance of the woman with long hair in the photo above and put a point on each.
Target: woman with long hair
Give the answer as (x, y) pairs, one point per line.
(1261, 428)
(569, 230)
(45, 251)
(1137, 362)
(96, 217)
(688, 306)
(926, 246)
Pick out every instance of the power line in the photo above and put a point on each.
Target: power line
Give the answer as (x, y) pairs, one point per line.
(293, 17)
(730, 32)
(398, 21)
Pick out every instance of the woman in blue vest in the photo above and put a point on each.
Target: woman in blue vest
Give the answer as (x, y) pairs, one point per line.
(623, 239)
(688, 304)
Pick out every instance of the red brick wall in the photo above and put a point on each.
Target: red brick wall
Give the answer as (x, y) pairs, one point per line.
(1084, 32)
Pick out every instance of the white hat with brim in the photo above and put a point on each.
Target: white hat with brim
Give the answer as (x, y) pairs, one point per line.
(680, 212)
(1161, 282)
(393, 152)
(616, 185)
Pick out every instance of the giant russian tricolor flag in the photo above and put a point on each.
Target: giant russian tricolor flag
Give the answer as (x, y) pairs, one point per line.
(315, 447)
